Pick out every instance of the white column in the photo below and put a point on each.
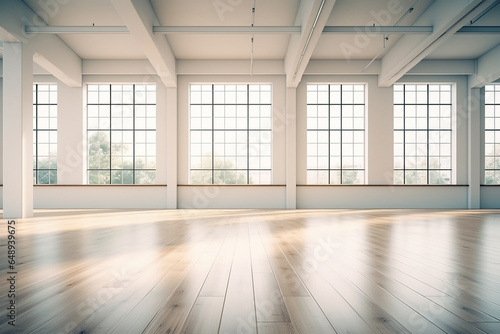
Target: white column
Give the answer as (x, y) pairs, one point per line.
(171, 140)
(70, 135)
(475, 148)
(291, 148)
(379, 134)
(17, 131)
(1, 125)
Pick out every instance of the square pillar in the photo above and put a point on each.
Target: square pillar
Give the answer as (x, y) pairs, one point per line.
(379, 134)
(171, 132)
(70, 135)
(475, 147)
(17, 131)
(291, 148)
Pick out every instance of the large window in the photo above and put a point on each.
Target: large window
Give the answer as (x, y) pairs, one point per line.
(492, 134)
(422, 134)
(121, 133)
(44, 134)
(230, 134)
(335, 134)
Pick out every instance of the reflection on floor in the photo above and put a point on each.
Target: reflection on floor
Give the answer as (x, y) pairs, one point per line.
(255, 271)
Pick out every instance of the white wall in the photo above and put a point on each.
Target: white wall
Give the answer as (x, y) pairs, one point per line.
(278, 137)
(1, 126)
(240, 197)
(70, 135)
(382, 197)
(460, 131)
(100, 197)
(379, 153)
(1, 137)
(378, 193)
(490, 197)
(233, 196)
(378, 127)
(71, 191)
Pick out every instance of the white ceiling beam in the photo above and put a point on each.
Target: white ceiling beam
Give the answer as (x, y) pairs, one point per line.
(488, 69)
(117, 67)
(443, 67)
(140, 17)
(357, 67)
(312, 17)
(50, 51)
(341, 67)
(447, 18)
(229, 67)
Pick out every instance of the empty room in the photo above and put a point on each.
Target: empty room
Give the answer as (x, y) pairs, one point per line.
(250, 166)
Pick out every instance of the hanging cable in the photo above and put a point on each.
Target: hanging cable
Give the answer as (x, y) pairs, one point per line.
(252, 39)
(386, 36)
(251, 59)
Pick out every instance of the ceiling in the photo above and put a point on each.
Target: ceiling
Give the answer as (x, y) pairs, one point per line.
(228, 45)
(239, 13)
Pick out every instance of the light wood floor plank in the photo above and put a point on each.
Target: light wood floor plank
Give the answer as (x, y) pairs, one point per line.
(269, 303)
(276, 328)
(172, 315)
(338, 311)
(238, 315)
(255, 271)
(205, 316)
(216, 283)
(307, 317)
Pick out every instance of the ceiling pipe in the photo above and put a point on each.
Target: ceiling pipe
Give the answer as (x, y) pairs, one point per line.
(486, 30)
(227, 30)
(76, 30)
(407, 30)
(244, 30)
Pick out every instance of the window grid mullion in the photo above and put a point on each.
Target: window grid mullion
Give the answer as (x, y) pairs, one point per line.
(428, 134)
(341, 134)
(110, 136)
(36, 134)
(133, 134)
(242, 172)
(329, 136)
(213, 132)
(404, 134)
(494, 104)
(248, 135)
(437, 130)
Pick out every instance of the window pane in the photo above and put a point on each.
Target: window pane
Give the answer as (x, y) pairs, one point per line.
(492, 135)
(230, 141)
(45, 134)
(335, 134)
(422, 134)
(123, 150)
(98, 177)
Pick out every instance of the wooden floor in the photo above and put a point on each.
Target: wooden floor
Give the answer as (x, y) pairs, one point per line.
(255, 271)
